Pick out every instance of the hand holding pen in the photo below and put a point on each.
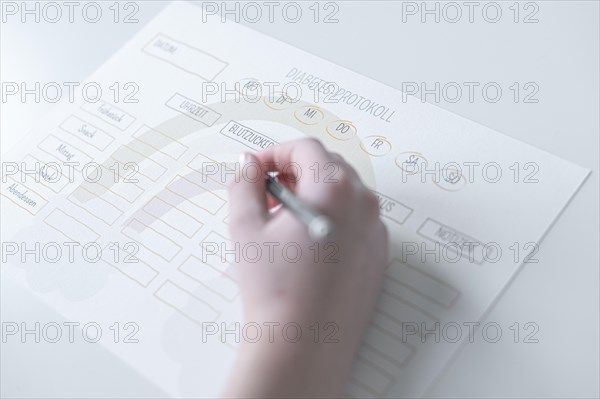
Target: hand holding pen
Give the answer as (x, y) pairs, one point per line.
(328, 250)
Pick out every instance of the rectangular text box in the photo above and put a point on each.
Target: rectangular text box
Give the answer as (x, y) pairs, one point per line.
(185, 57)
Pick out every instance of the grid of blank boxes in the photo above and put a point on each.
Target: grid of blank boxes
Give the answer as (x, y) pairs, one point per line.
(410, 295)
(212, 276)
(176, 210)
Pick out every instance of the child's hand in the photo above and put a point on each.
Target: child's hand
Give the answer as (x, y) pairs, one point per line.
(297, 280)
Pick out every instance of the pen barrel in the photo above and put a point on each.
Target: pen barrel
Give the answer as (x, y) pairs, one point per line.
(319, 226)
(304, 212)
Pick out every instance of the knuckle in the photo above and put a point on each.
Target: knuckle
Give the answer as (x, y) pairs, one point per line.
(337, 157)
(312, 143)
(343, 177)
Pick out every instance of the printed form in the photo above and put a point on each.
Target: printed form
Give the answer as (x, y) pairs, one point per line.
(465, 206)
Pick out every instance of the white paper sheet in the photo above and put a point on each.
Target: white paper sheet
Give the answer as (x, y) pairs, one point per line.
(174, 210)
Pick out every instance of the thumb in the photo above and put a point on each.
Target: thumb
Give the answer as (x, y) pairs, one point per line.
(247, 196)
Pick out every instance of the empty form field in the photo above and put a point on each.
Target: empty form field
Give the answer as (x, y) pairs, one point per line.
(160, 142)
(211, 277)
(402, 311)
(185, 303)
(214, 246)
(147, 167)
(423, 283)
(386, 346)
(217, 171)
(123, 186)
(129, 265)
(175, 218)
(185, 57)
(370, 376)
(154, 241)
(196, 194)
(95, 205)
(70, 227)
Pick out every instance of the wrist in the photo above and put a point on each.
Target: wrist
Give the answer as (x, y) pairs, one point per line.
(291, 369)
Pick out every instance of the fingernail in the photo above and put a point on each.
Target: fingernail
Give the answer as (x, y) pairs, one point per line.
(244, 158)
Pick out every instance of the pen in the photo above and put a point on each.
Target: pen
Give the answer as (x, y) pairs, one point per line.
(319, 226)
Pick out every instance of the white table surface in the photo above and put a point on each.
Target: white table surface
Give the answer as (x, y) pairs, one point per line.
(560, 293)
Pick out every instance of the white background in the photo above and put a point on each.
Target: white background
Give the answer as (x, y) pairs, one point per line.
(560, 54)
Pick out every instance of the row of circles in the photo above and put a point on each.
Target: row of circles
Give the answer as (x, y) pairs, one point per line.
(412, 163)
(449, 178)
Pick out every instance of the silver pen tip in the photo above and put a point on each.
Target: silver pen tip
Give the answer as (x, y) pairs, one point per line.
(320, 228)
